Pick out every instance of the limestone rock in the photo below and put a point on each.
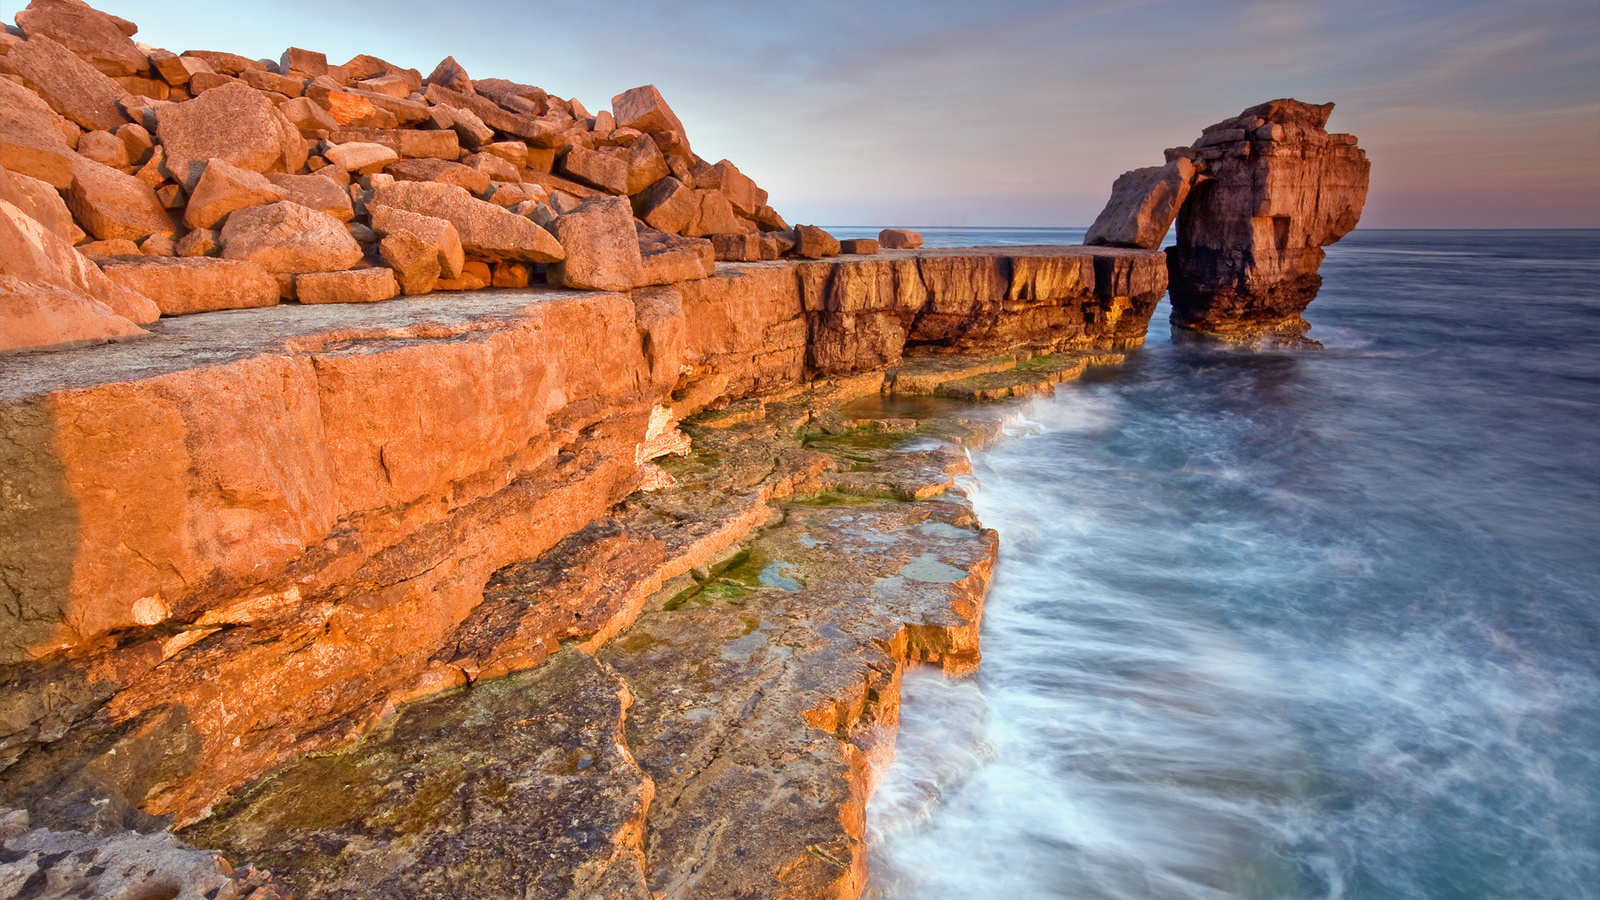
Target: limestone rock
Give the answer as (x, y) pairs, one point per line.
(415, 261)
(33, 136)
(287, 238)
(899, 239)
(200, 284)
(40, 202)
(71, 86)
(356, 286)
(361, 156)
(435, 232)
(94, 36)
(318, 192)
(1143, 204)
(487, 231)
(46, 315)
(233, 123)
(30, 252)
(814, 243)
(111, 204)
(224, 188)
(1277, 188)
(601, 245)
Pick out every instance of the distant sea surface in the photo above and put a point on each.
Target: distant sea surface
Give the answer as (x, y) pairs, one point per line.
(1288, 623)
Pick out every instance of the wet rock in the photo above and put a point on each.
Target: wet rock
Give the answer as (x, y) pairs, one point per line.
(199, 284)
(487, 231)
(358, 286)
(899, 239)
(1143, 205)
(223, 188)
(1277, 188)
(287, 238)
(601, 247)
(71, 86)
(233, 123)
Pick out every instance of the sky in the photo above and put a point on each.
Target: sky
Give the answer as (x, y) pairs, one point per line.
(1475, 114)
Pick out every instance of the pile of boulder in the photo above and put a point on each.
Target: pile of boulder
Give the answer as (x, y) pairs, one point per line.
(137, 182)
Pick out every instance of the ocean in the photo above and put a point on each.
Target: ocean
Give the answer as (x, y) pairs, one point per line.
(1288, 623)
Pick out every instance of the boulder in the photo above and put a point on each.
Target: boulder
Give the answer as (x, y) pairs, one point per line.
(273, 83)
(287, 238)
(40, 202)
(199, 242)
(899, 239)
(496, 168)
(740, 190)
(71, 86)
(415, 261)
(223, 63)
(198, 284)
(646, 165)
(435, 232)
(487, 231)
(602, 247)
(440, 171)
(360, 156)
(306, 116)
(449, 74)
(177, 70)
(1275, 188)
(475, 276)
(668, 205)
(115, 248)
(511, 275)
(645, 109)
(110, 204)
(671, 258)
(318, 192)
(814, 243)
(1143, 205)
(30, 252)
(469, 130)
(737, 247)
(233, 123)
(357, 286)
(104, 148)
(860, 246)
(94, 36)
(33, 137)
(224, 188)
(304, 63)
(48, 315)
(136, 141)
(767, 219)
(714, 215)
(600, 170)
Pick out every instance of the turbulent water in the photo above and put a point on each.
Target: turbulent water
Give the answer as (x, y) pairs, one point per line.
(1290, 624)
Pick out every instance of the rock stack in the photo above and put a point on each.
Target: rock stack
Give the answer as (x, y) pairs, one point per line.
(206, 180)
(1256, 198)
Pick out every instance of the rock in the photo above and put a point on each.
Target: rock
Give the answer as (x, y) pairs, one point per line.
(40, 202)
(116, 248)
(470, 130)
(230, 64)
(158, 245)
(33, 138)
(449, 74)
(362, 157)
(201, 82)
(511, 275)
(136, 140)
(104, 148)
(1143, 205)
(1251, 232)
(87, 32)
(645, 109)
(767, 219)
(318, 192)
(304, 63)
(814, 243)
(176, 70)
(71, 86)
(440, 172)
(603, 171)
(233, 123)
(46, 315)
(737, 247)
(475, 276)
(415, 261)
(496, 168)
(224, 188)
(272, 82)
(899, 239)
(513, 195)
(287, 238)
(31, 253)
(646, 165)
(306, 115)
(435, 232)
(199, 242)
(740, 190)
(860, 246)
(198, 284)
(601, 246)
(487, 231)
(357, 286)
(110, 204)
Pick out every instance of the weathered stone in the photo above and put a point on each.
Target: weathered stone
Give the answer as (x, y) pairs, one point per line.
(139, 86)
(33, 137)
(287, 238)
(1143, 205)
(32, 253)
(814, 243)
(362, 157)
(475, 276)
(860, 246)
(349, 108)
(487, 231)
(355, 286)
(470, 130)
(115, 248)
(511, 275)
(512, 195)
(46, 315)
(272, 82)
(435, 232)
(737, 247)
(740, 190)
(645, 109)
(364, 66)
(307, 116)
(493, 166)
(318, 192)
(899, 239)
(390, 84)
(104, 148)
(71, 86)
(599, 170)
(646, 165)
(670, 258)
(1251, 232)
(178, 70)
(40, 202)
(767, 219)
(440, 171)
(715, 215)
(198, 284)
(201, 82)
(199, 242)
(305, 63)
(601, 245)
(158, 245)
(233, 123)
(110, 204)
(223, 63)
(87, 32)
(415, 261)
(223, 188)
(449, 74)
(136, 140)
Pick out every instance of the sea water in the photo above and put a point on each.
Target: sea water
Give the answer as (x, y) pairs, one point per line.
(1289, 623)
